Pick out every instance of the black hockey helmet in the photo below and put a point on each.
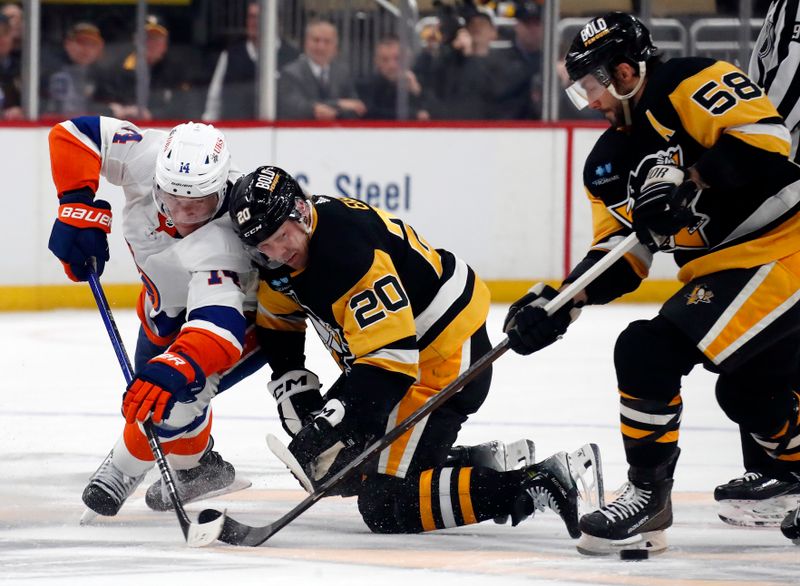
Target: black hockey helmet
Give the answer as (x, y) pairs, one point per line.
(262, 201)
(604, 42)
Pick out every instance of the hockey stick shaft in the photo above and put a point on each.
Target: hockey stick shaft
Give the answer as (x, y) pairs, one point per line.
(237, 533)
(127, 371)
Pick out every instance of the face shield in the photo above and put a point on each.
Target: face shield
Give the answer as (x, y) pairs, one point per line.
(187, 211)
(591, 86)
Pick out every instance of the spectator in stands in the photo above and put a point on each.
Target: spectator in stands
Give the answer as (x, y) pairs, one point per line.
(430, 39)
(10, 80)
(232, 92)
(379, 91)
(13, 12)
(483, 31)
(169, 93)
(517, 71)
(316, 85)
(457, 85)
(71, 80)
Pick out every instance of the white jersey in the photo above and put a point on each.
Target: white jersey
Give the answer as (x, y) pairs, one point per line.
(775, 61)
(198, 287)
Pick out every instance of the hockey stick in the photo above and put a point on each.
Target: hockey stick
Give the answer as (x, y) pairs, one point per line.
(236, 533)
(197, 535)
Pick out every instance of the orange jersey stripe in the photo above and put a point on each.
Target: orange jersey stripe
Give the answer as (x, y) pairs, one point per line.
(211, 352)
(189, 446)
(136, 442)
(151, 335)
(73, 164)
(415, 397)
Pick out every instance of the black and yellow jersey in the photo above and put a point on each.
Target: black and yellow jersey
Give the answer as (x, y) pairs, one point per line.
(707, 114)
(384, 302)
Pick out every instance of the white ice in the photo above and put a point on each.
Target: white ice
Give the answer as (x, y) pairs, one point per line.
(59, 416)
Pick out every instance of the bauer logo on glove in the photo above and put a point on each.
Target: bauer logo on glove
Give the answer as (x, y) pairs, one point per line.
(168, 378)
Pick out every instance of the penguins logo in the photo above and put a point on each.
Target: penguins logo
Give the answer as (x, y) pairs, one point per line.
(700, 294)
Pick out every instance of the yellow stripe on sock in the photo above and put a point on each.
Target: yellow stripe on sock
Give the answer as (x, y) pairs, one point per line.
(464, 498)
(425, 506)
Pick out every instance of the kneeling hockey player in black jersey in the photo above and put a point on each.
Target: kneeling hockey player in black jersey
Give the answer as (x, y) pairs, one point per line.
(696, 163)
(402, 320)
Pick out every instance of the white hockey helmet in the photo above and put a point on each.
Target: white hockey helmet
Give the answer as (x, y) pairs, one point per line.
(193, 164)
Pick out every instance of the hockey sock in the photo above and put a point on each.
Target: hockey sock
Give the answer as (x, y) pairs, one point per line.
(451, 497)
(785, 444)
(649, 429)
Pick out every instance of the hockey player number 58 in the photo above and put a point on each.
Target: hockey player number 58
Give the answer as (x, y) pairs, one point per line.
(370, 306)
(719, 97)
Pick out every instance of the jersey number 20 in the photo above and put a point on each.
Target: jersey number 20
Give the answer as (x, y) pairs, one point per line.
(370, 305)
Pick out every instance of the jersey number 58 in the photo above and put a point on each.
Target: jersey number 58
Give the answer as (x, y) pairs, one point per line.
(720, 96)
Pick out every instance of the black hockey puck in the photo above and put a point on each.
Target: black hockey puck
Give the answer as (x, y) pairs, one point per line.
(634, 554)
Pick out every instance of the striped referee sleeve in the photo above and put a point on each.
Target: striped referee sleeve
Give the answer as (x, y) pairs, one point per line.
(776, 58)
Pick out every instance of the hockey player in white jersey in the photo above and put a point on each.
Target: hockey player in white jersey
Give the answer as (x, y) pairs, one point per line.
(194, 339)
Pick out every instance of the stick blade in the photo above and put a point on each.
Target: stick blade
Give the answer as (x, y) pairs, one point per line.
(280, 451)
(207, 530)
(235, 533)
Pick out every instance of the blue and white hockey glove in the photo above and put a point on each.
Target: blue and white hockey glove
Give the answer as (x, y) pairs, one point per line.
(80, 233)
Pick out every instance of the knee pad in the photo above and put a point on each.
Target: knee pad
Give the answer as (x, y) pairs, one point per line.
(650, 357)
(746, 402)
(739, 399)
(383, 507)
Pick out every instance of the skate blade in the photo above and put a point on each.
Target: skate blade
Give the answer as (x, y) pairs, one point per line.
(238, 484)
(519, 454)
(753, 513)
(586, 469)
(654, 542)
(88, 517)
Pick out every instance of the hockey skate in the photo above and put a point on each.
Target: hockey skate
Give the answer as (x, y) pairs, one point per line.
(790, 526)
(757, 500)
(636, 518)
(495, 455)
(549, 484)
(212, 476)
(107, 490)
(587, 470)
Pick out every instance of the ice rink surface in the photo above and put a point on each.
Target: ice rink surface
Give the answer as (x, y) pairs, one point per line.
(59, 416)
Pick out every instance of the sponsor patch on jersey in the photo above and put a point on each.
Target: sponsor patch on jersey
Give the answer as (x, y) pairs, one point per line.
(280, 285)
(602, 170)
(604, 180)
